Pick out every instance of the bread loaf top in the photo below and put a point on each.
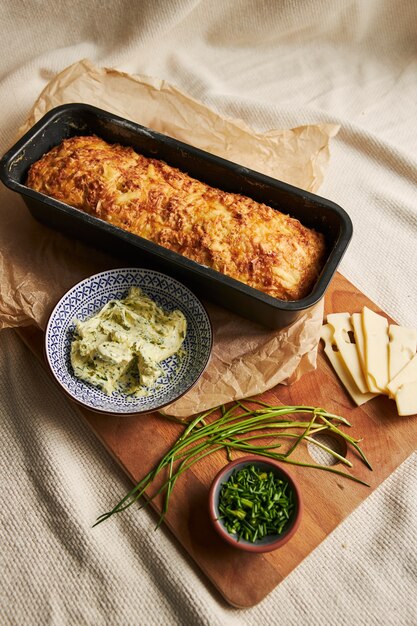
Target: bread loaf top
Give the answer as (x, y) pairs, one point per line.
(228, 232)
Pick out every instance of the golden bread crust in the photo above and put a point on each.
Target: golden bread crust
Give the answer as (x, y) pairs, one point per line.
(228, 232)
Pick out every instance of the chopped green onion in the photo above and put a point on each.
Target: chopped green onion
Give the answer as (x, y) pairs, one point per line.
(261, 499)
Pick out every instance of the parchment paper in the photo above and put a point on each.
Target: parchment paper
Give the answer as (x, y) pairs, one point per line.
(38, 265)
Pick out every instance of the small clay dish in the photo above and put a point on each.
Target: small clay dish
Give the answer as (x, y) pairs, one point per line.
(269, 542)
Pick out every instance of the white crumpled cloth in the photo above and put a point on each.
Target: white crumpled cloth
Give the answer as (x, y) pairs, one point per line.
(274, 64)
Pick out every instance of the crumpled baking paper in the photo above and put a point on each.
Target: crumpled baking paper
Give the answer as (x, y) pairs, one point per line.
(38, 265)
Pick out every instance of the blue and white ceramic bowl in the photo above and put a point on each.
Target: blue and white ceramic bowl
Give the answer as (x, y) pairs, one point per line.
(88, 297)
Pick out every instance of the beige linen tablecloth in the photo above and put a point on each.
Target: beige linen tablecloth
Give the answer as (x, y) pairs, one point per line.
(274, 64)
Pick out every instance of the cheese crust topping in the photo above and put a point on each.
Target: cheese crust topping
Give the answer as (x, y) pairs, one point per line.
(228, 232)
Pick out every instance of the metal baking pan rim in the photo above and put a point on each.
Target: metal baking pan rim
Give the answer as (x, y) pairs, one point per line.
(264, 179)
(290, 305)
(331, 263)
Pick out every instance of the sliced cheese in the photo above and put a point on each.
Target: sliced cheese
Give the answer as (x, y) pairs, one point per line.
(340, 368)
(407, 375)
(406, 399)
(401, 348)
(356, 321)
(342, 337)
(375, 330)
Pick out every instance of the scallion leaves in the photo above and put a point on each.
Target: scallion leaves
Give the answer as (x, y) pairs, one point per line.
(243, 428)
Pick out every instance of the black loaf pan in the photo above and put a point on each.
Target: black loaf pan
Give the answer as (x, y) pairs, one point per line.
(81, 119)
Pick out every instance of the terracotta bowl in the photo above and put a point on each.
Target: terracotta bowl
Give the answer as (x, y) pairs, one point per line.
(270, 542)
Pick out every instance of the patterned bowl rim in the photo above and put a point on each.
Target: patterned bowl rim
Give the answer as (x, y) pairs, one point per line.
(134, 411)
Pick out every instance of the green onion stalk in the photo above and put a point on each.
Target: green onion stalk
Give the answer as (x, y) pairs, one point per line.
(241, 428)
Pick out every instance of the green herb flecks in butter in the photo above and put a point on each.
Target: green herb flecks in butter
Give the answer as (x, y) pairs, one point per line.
(121, 347)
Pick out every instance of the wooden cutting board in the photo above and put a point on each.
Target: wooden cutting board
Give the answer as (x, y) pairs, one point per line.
(245, 579)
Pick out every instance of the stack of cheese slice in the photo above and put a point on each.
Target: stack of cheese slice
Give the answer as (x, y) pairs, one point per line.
(372, 357)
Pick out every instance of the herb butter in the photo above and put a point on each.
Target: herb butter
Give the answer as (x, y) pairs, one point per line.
(120, 348)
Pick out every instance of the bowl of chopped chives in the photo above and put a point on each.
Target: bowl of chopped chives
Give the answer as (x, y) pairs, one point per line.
(255, 505)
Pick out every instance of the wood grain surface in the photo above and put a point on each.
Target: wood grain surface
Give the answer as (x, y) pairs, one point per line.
(244, 579)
